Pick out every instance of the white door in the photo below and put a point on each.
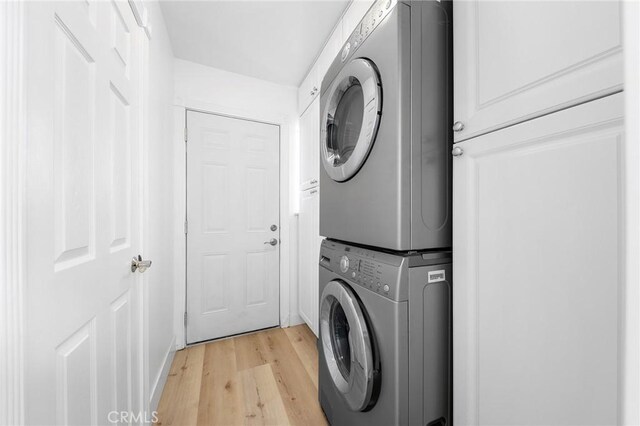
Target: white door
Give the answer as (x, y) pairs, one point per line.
(538, 294)
(83, 212)
(308, 290)
(233, 228)
(516, 60)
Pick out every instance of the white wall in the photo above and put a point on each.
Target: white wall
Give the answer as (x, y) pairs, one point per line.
(158, 238)
(208, 89)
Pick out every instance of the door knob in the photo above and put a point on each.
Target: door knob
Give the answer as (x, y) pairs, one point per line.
(272, 241)
(137, 264)
(457, 151)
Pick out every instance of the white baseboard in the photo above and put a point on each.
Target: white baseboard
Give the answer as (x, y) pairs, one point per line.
(161, 379)
(295, 319)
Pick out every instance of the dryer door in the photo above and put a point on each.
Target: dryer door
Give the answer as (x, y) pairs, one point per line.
(347, 346)
(350, 119)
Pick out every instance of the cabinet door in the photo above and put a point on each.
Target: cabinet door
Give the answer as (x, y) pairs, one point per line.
(310, 146)
(308, 90)
(538, 278)
(518, 60)
(308, 297)
(353, 15)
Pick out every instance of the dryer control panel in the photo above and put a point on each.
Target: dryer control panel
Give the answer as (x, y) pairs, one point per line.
(372, 19)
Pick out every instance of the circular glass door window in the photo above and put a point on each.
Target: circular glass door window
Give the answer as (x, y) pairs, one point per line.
(347, 346)
(351, 117)
(340, 340)
(343, 130)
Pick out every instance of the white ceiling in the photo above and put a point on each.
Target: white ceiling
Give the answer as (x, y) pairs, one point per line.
(271, 40)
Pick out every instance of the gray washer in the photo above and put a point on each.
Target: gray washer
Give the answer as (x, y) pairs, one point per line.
(385, 336)
(385, 130)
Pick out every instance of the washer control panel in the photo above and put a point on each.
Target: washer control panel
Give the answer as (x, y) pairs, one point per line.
(366, 268)
(385, 273)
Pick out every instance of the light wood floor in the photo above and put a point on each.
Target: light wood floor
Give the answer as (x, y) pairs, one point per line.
(265, 378)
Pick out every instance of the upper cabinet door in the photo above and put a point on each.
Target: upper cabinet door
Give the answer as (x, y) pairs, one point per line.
(518, 60)
(310, 146)
(308, 90)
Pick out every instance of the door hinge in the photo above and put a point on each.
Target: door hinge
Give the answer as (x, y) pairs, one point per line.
(185, 134)
(186, 227)
(185, 319)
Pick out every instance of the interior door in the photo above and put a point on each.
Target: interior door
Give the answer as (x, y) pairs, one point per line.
(83, 214)
(233, 229)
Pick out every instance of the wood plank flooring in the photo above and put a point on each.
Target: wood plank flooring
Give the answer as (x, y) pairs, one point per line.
(264, 378)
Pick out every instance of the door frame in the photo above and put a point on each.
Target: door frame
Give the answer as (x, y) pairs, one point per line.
(629, 412)
(13, 139)
(181, 107)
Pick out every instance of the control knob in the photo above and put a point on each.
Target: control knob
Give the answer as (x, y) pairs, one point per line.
(344, 264)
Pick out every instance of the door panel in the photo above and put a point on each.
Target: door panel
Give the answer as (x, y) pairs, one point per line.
(310, 146)
(310, 240)
(514, 61)
(537, 298)
(232, 201)
(83, 228)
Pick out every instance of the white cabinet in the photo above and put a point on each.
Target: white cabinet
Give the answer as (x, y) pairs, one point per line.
(518, 60)
(538, 273)
(308, 90)
(310, 146)
(309, 251)
(353, 15)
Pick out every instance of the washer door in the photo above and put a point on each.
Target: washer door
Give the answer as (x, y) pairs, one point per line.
(347, 346)
(350, 119)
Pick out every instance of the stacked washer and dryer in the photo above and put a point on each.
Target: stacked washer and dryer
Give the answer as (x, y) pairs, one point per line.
(385, 208)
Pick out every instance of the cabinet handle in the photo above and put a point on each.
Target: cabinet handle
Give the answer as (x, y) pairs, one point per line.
(457, 151)
(313, 191)
(458, 126)
(314, 181)
(314, 90)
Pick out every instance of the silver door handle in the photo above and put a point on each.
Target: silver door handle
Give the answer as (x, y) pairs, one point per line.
(273, 242)
(137, 264)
